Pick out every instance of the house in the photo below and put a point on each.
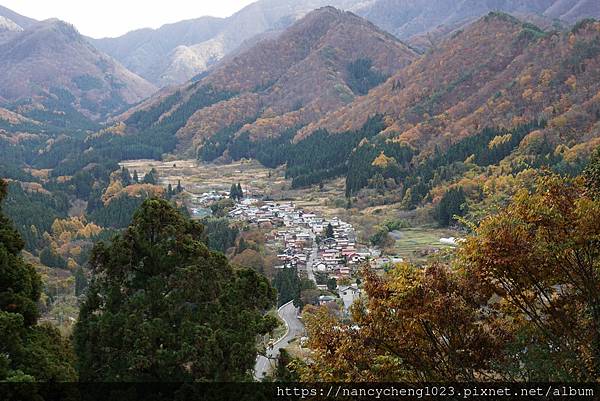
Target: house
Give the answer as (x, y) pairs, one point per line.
(349, 294)
(326, 299)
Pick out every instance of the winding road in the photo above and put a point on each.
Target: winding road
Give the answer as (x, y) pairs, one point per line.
(289, 314)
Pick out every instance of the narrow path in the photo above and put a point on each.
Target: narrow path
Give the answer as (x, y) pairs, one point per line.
(289, 314)
(311, 260)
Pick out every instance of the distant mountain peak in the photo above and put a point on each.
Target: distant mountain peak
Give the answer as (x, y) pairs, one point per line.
(7, 25)
(317, 65)
(51, 60)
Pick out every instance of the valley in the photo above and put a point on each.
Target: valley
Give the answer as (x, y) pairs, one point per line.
(304, 191)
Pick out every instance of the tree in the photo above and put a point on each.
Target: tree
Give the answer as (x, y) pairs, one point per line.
(163, 307)
(452, 204)
(179, 188)
(541, 255)
(592, 175)
(415, 325)
(287, 283)
(236, 193)
(136, 179)
(81, 281)
(233, 193)
(50, 258)
(125, 177)
(28, 351)
(151, 177)
(250, 258)
(332, 284)
(329, 231)
(219, 234)
(520, 302)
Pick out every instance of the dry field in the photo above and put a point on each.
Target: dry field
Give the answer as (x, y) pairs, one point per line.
(259, 181)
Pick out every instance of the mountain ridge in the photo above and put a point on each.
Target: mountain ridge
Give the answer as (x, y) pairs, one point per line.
(285, 81)
(414, 21)
(51, 62)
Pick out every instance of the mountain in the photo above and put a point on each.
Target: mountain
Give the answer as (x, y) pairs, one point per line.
(319, 64)
(176, 52)
(172, 53)
(499, 92)
(49, 68)
(20, 20)
(498, 72)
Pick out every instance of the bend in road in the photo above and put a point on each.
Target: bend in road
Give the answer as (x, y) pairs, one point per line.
(289, 314)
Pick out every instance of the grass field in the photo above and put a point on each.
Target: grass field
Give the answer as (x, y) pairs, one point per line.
(414, 243)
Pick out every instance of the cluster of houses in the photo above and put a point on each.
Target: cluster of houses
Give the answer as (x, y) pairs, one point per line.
(312, 244)
(337, 254)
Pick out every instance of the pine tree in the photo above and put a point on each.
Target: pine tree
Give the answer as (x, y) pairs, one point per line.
(329, 231)
(151, 177)
(452, 204)
(163, 307)
(179, 187)
(136, 179)
(233, 192)
(125, 177)
(240, 193)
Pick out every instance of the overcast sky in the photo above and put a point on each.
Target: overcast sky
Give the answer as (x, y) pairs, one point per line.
(102, 18)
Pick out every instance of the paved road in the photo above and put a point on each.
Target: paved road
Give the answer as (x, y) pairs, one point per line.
(295, 328)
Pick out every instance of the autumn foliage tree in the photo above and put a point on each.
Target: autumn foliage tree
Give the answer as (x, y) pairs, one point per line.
(541, 257)
(415, 325)
(521, 301)
(28, 351)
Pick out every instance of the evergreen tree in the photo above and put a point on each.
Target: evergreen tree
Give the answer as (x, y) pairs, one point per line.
(451, 205)
(81, 282)
(233, 192)
(28, 352)
(169, 191)
(50, 258)
(287, 283)
(125, 177)
(329, 231)
(236, 192)
(179, 187)
(163, 307)
(136, 179)
(151, 177)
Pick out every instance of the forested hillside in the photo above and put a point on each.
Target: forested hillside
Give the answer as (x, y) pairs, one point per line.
(487, 141)
(321, 63)
(49, 70)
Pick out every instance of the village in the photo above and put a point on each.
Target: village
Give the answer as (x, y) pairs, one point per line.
(320, 249)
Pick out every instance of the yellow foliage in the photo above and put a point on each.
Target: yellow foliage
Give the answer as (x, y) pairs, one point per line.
(546, 77)
(525, 79)
(572, 82)
(113, 189)
(71, 264)
(499, 140)
(382, 161)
